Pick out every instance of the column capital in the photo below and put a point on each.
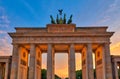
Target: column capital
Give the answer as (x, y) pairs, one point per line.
(86, 44)
(108, 43)
(16, 45)
(32, 44)
(72, 44)
(89, 44)
(49, 44)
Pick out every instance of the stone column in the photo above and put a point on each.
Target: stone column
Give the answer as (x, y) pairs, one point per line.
(108, 66)
(38, 62)
(32, 62)
(15, 62)
(119, 65)
(50, 62)
(71, 61)
(116, 70)
(89, 62)
(6, 70)
(103, 62)
(100, 62)
(40, 65)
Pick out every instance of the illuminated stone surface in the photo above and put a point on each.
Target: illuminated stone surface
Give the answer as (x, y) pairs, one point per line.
(61, 38)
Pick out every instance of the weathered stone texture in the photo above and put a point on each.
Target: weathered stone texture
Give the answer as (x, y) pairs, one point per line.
(50, 62)
(72, 38)
(32, 70)
(71, 61)
(89, 62)
(15, 62)
(108, 65)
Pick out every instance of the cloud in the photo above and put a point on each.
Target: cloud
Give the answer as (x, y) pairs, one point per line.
(5, 46)
(4, 22)
(116, 37)
(109, 15)
(114, 6)
(2, 32)
(103, 20)
(115, 49)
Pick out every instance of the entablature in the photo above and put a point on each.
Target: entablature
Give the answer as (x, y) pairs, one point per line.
(61, 33)
(77, 34)
(60, 40)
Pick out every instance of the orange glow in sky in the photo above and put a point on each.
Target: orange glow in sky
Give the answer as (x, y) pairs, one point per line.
(61, 61)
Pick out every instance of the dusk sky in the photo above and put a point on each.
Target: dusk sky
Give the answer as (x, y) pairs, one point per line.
(35, 13)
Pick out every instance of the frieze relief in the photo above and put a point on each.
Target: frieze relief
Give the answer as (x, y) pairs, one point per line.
(60, 40)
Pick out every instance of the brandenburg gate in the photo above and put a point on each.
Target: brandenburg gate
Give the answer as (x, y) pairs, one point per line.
(30, 43)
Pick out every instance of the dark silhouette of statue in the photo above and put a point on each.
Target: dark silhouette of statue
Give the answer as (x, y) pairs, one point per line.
(70, 20)
(60, 11)
(64, 20)
(61, 20)
(57, 19)
(52, 19)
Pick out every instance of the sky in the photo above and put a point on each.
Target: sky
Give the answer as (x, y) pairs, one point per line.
(35, 13)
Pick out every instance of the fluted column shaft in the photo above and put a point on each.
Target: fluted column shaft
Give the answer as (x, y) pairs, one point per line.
(72, 62)
(15, 62)
(116, 70)
(6, 70)
(32, 62)
(40, 65)
(50, 62)
(103, 62)
(108, 66)
(89, 62)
